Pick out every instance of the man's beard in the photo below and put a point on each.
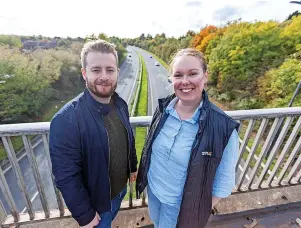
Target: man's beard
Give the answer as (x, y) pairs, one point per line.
(92, 86)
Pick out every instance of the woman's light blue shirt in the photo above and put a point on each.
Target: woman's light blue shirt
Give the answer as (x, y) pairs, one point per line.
(170, 157)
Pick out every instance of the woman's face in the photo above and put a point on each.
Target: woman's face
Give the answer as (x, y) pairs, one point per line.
(188, 79)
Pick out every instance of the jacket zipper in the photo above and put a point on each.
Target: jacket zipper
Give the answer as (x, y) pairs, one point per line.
(109, 170)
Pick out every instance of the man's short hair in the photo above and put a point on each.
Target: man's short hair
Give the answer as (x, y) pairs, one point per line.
(97, 46)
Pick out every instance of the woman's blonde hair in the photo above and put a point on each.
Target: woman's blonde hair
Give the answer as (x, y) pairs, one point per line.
(189, 52)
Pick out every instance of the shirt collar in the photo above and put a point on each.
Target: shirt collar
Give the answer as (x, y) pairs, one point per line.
(99, 107)
(171, 110)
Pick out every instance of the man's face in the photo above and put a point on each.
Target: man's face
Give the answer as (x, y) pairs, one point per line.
(100, 74)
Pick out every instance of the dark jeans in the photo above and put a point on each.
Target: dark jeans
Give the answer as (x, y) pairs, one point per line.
(108, 217)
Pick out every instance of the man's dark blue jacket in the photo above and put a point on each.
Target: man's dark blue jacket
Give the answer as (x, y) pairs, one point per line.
(79, 151)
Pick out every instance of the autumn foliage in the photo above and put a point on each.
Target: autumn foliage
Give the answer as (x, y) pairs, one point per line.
(251, 65)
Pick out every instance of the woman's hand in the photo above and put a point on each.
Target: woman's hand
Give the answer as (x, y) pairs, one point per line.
(133, 177)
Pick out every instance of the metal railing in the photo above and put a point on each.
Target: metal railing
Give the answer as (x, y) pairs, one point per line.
(264, 163)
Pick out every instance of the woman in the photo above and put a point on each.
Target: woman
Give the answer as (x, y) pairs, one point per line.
(188, 161)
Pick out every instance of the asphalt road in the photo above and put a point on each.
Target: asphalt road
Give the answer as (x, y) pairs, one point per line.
(159, 87)
(127, 76)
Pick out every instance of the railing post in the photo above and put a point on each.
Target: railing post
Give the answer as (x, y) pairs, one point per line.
(131, 183)
(259, 134)
(58, 194)
(245, 141)
(16, 168)
(275, 149)
(2, 213)
(8, 196)
(143, 198)
(36, 174)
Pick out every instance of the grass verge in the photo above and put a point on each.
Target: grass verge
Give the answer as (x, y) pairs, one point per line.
(141, 108)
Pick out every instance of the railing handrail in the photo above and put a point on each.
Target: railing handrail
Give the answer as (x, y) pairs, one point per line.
(24, 129)
(268, 144)
(43, 127)
(264, 113)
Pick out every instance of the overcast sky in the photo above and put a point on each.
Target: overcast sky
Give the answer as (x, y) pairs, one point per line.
(130, 18)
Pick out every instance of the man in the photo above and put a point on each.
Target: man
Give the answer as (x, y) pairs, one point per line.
(91, 142)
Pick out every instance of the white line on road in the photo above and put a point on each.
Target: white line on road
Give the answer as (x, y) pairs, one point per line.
(23, 155)
(32, 199)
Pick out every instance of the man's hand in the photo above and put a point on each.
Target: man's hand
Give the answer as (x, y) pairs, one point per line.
(133, 177)
(93, 223)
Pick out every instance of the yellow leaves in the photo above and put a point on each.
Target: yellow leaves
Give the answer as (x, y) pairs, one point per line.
(291, 34)
(236, 53)
(278, 84)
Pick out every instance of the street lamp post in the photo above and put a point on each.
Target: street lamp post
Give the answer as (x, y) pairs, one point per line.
(296, 2)
(295, 94)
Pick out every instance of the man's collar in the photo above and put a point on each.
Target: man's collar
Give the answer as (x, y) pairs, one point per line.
(99, 107)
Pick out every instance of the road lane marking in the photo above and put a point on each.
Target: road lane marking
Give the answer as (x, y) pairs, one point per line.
(32, 199)
(23, 155)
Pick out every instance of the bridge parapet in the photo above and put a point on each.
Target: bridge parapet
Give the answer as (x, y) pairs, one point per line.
(269, 158)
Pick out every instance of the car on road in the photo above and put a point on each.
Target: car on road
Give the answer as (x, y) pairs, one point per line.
(157, 64)
(130, 55)
(151, 56)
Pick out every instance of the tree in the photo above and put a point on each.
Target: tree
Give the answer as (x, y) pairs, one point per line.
(28, 81)
(90, 37)
(277, 86)
(291, 34)
(190, 33)
(149, 37)
(27, 85)
(198, 38)
(142, 37)
(245, 52)
(11, 41)
(102, 36)
(163, 35)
